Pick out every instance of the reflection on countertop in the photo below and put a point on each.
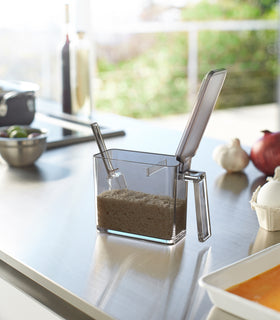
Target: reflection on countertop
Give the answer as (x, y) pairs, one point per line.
(145, 268)
(264, 239)
(234, 183)
(259, 181)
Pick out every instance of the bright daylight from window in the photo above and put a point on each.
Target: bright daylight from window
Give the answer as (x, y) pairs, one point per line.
(148, 56)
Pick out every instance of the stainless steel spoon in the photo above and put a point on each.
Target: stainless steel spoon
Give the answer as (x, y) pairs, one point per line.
(116, 179)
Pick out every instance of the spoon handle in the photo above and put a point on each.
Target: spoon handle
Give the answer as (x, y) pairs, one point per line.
(102, 147)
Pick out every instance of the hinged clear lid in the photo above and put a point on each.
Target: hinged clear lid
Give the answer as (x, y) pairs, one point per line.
(206, 100)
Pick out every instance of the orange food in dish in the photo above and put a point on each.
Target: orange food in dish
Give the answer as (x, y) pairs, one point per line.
(263, 288)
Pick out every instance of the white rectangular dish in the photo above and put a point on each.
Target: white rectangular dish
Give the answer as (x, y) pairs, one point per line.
(216, 283)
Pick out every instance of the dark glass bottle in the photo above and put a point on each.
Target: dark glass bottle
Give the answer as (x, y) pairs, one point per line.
(66, 83)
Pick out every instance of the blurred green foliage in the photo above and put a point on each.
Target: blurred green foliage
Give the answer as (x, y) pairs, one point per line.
(148, 85)
(154, 82)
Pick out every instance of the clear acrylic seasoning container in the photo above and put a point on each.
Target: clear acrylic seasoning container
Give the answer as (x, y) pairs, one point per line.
(154, 205)
(144, 195)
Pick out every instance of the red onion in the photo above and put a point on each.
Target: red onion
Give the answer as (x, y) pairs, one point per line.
(265, 152)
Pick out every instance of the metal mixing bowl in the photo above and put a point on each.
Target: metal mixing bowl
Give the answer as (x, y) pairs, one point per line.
(20, 152)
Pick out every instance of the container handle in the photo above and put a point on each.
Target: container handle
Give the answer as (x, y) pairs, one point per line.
(201, 203)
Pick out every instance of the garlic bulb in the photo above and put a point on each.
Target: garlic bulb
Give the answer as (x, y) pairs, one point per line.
(231, 157)
(269, 193)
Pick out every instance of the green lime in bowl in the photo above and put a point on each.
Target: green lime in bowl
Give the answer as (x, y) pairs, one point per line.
(21, 146)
